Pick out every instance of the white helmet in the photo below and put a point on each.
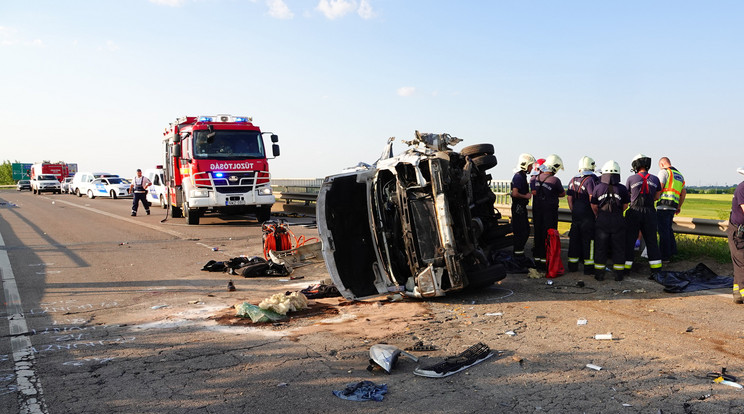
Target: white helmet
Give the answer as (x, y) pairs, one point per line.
(525, 160)
(640, 162)
(586, 164)
(611, 167)
(553, 163)
(740, 170)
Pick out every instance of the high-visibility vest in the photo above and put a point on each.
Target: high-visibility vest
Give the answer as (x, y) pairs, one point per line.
(672, 190)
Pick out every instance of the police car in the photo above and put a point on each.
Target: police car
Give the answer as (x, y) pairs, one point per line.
(113, 187)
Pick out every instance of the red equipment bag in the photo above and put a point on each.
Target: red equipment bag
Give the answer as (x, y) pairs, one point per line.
(553, 254)
(276, 236)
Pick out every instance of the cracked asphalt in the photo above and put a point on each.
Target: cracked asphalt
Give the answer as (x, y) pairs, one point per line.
(120, 319)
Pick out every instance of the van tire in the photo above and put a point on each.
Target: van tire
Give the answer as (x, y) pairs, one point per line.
(263, 213)
(477, 150)
(191, 214)
(77, 192)
(485, 162)
(162, 202)
(90, 194)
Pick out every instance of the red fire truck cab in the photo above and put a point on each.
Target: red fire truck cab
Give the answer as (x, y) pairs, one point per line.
(217, 163)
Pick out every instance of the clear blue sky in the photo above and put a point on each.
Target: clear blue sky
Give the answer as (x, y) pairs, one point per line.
(96, 82)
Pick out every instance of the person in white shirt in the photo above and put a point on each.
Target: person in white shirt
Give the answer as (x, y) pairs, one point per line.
(138, 188)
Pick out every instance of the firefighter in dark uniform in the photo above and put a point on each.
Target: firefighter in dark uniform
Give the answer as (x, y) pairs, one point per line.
(546, 190)
(735, 232)
(609, 199)
(520, 194)
(581, 236)
(644, 189)
(138, 188)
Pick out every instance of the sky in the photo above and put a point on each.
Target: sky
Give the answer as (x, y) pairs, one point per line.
(96, 82)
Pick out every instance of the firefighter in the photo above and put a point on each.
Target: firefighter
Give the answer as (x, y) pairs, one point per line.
(735, 232)
(644, 189)
(546, 190)
(581, 235)
(520, 194)
(609, 199)
(138, 188)
(673, 194)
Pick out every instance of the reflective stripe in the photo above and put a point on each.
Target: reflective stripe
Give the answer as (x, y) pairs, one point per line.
(736, 287)
(588, 262)
(573, 260)
(519, 252)
(591, 250)
(618, 267)
(655, 264)
(672, 190)
(629, 264)
(599, 267)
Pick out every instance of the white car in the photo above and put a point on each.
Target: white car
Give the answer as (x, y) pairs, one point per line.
(65, 185)
(81, 182)
(45, 183)
(113, 187)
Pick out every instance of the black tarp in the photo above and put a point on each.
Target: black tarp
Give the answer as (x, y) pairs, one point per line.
(698, 278)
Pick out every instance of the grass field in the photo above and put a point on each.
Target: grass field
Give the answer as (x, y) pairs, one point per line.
(707, 206)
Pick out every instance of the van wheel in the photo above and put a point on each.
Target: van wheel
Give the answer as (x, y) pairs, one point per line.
(90, 194)
(162, 202)
(478, 149)
(77, 192)
(485, 162)
(113, 194)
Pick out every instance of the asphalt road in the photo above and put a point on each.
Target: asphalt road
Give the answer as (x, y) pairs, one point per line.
(108, 313)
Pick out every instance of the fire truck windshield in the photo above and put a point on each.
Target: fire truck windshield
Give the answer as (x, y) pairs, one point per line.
(232, 145)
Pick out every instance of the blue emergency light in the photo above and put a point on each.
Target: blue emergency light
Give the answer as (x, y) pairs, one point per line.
(241, 119)
(219, 175)
(204, 119)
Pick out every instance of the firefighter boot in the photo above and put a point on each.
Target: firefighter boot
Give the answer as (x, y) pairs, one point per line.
(619, 275)
(573, 267)
(738, 298)
(599, 274)
(588, 270)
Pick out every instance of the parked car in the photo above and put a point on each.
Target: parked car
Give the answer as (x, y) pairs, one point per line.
(113, 187)
(81, 181)
(45, 183)
(65, 185)
(422, 223)
(156, 193)
(24, 185)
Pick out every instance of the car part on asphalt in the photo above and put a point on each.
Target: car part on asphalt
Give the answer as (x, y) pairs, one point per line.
(386, 356)
(454, 364)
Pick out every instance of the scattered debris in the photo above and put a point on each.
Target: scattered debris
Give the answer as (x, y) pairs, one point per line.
(534, 274)
(362, 391)
(230, 286)
(159, 307)
(722, 381)
(607, 336)
(386, 357)
(640, 290)
(594, 367)
(494, 314)
(214, 249)
(581, 322)
(419, 346)
(282, 303)
(511, 333)
(689, 329)
(320, 290)
(454, 364)
(257, 315)
(282, 384)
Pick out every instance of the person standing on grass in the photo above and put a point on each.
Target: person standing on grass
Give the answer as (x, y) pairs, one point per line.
(735, 233)
(673, 194)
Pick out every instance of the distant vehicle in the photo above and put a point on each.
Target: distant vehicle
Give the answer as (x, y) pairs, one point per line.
(45, 183)
(113, 187)
(81, 181)
(65, 185)
(23, 185)
(156, 193)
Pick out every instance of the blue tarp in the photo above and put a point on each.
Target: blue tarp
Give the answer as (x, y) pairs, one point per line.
(698, 278)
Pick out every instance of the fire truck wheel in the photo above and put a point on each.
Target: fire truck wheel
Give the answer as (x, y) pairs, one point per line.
(263, 213)
(192, 215)
(90, 194)
(176, 212)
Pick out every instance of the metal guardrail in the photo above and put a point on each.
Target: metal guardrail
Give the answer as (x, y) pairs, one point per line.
(306, 189)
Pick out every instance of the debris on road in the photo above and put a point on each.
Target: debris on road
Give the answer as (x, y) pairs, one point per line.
(386, 357)
(320, 290)
(454, 364)
(419, 346)
(257, 315)
(282, 303)
(701, 277)
(607, 336)
(230, 286)
(594, 367)
(158, 307)
(362, 391)
(581, 322)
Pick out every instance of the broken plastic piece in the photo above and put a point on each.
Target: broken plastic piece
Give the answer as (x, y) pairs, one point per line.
(510, 333)
(159, 307)
(594, 367)
(581, 322)
(454, 364)
(603, 336)
(494, 314)
(419, 346)
(386, 356)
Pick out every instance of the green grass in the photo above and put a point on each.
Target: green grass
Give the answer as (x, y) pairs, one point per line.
(707, 206)
(691, 247)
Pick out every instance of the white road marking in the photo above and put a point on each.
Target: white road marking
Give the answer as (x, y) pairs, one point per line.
(30, 393)
(127, 219)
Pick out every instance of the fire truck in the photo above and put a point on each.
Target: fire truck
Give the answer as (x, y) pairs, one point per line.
(217, 164)
(58, 169)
